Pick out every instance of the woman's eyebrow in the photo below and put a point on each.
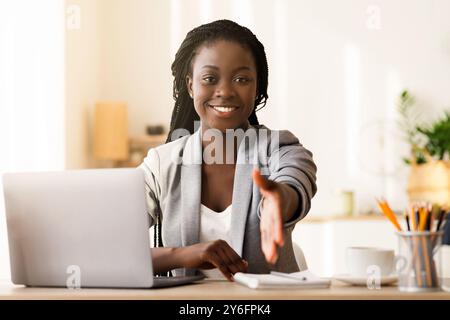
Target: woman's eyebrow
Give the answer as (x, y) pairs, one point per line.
(217, 68)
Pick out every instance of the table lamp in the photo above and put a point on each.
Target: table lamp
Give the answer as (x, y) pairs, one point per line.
(111, 132)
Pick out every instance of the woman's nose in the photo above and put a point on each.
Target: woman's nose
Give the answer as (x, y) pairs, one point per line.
(224, 90)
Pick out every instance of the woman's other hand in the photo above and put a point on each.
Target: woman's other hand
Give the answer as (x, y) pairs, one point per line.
(213, 254)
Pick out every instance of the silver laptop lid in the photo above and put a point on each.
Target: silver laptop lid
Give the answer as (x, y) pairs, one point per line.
(90, 224)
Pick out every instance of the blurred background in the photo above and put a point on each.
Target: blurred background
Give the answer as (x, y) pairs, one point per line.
(87, 84)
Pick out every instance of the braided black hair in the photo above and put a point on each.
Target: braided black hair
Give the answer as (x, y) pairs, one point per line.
(184, 114)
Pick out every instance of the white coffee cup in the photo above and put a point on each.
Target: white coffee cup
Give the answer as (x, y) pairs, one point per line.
(363, 260)
(443, 261)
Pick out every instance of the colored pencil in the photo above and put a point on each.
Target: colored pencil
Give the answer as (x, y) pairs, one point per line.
(423, 216)
(384, 207)
(413, 219)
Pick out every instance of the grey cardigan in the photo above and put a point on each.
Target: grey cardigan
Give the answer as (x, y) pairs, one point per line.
(173, 188)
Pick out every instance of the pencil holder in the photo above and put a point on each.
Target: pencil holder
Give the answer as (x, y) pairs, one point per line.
(417, 266)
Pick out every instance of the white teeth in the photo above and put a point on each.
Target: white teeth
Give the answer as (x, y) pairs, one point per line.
(224, 109)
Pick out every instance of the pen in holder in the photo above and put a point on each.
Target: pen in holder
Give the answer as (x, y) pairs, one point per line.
(417, 268)
(418, 246)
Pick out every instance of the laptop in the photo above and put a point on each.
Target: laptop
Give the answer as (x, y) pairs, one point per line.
(81, 228)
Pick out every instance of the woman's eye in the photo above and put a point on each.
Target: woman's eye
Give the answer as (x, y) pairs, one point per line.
(242, 79)
(209, 79)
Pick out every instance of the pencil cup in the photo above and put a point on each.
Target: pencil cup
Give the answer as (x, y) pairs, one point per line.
(417, 266)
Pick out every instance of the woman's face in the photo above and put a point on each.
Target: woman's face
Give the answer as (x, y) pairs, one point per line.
(223, 85)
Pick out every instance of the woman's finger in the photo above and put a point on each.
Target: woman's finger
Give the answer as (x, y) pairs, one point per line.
(269, 241)
(217, 261)
(271, 208)
(235, 262)
(270, 251)
(235, 258)
(221, 252)
(268, 244)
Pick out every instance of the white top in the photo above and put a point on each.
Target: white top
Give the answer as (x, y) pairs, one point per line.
(213, 226)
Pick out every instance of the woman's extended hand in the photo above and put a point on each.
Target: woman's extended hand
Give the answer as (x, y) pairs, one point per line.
(213, 254)
(271, 225)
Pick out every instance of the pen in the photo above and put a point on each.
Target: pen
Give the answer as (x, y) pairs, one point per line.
(407, 221)
(287, 275)
(441, 218)
(417, 218)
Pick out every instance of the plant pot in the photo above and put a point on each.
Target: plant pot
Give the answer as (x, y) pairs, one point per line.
(430, 182)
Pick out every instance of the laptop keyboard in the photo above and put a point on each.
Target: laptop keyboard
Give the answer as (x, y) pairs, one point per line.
(163, 281)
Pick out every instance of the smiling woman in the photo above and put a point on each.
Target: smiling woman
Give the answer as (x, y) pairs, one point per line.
(225, 215)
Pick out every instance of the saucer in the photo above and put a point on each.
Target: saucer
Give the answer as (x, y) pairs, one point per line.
(362, 281)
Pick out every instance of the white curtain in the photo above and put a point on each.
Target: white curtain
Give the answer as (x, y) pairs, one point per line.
(31, 93)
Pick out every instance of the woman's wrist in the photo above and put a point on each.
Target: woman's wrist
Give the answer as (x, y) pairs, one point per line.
(166, 259)
(178, 256)
(290, 200)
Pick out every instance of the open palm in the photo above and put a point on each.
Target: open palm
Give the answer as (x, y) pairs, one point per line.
(271, 225)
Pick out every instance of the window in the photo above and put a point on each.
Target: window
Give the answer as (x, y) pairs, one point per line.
(31, 93)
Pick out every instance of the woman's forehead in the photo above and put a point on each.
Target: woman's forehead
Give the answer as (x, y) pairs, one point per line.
(224, 55)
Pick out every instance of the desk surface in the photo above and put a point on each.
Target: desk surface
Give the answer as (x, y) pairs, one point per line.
(215, 290)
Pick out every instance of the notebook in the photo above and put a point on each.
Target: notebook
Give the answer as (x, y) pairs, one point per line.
(278, 280)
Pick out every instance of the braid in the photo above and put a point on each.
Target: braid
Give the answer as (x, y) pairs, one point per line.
(184, 114)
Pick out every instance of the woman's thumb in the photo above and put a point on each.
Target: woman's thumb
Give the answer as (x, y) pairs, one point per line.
(260, 180)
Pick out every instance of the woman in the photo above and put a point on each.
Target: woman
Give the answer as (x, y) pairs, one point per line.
(214, 209)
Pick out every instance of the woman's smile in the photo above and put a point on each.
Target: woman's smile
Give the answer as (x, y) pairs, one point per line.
(223, 110)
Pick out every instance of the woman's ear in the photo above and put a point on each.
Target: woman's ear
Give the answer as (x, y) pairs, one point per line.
(189, 85)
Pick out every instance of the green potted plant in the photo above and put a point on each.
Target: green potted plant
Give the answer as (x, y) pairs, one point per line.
(429, 178)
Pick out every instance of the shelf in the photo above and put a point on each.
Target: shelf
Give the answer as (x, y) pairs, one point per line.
(333, 218)
(139, 146)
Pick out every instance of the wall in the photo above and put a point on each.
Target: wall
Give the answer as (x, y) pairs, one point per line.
(83, 78)
(324, 244)
(336, 69)
(136, 60)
